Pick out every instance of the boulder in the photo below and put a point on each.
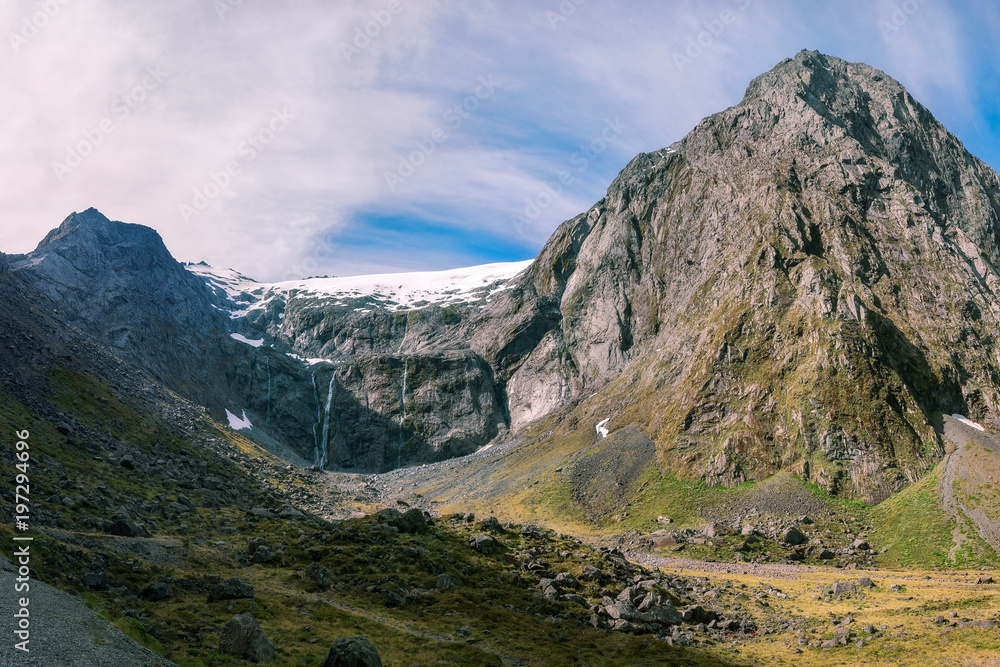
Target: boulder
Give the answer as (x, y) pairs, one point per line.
(96, 580)
(122, 524)
(491, 524)
(319, 575)
(156, 592)
(243, 638)
(842, 587)
(566, 580)
(484, 544)
(591, 573)
(354, 651)
(792, 535)
(411, 521)
(446, 581)
(230, 589)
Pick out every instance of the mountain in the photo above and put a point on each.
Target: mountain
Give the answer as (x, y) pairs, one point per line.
(805, 282)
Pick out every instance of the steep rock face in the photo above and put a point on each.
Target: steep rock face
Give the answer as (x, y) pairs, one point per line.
(805, 280)
(119, 283)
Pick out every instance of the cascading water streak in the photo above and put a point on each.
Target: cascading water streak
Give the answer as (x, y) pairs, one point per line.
(402, 402)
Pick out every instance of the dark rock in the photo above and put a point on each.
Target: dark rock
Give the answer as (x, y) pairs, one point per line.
(591, 573)
(156, 592)
(95, 580)
(484, 544)
(865, 582)
(230, 589)
(122, 524)
(792, 535)
(411, 521)
(446, 581)
(319, 575)
(491, 524)
(243, 638)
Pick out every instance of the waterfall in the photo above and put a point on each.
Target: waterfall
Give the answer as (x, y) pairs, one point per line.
(326, 420)
(321, 439)
(402, 403)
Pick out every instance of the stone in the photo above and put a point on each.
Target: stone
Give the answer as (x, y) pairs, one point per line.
(566, 580)
(230, 589)
(446, 581)
(842, 588)
(122, 524)
(793, 536)
(591, 573)
(156, 592)
(411, 521)
(984, 579)
(865, 582)
(484, 544)
(243, 638)
(95, 580)
(491, 524)
(319, 575)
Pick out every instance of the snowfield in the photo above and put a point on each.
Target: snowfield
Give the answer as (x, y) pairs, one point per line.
(387, 291)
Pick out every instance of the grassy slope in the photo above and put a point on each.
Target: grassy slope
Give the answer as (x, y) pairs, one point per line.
(506, 617)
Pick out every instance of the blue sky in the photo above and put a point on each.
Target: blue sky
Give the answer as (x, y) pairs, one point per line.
(283, 140)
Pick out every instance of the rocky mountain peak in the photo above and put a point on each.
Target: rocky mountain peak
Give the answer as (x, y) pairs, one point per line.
(91, 232)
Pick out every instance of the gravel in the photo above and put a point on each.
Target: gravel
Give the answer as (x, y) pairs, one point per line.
(64, 632)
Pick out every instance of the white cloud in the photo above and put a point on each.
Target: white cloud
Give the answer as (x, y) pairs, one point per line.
(358, 110)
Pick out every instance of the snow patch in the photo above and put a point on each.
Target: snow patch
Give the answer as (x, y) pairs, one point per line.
(601, 428)
(968, 422)
(390, 291)
(237, 423)
(244, 339)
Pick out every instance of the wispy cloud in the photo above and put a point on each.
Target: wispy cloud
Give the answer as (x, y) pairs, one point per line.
(368, 83)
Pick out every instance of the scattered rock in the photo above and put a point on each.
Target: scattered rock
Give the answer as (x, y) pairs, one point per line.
(123, 525)
(484, 544)
(354, 651)
(446, 581)
(412, 521)
(156, 592)
(230, 589)
(792, 535)
(96, 580)
(243, 638)
(491, 524)
(319, 575)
